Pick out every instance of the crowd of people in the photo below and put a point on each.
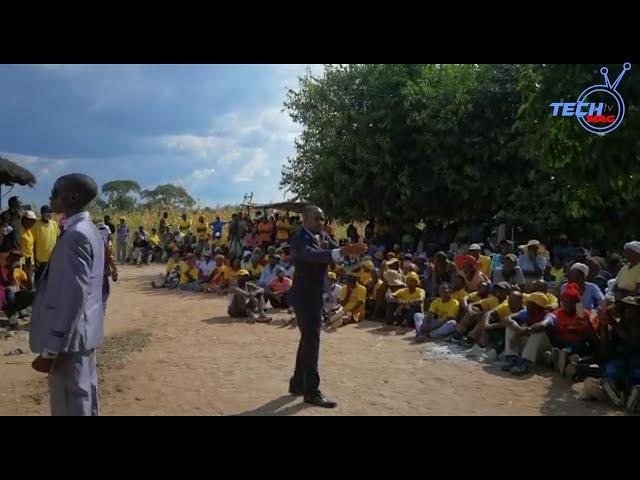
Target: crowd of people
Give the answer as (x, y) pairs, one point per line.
(526, 305)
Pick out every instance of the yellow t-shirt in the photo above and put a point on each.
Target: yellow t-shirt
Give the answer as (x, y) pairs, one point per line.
(459, 294)
(45, 236)
(557, 274)
(282, 231)
(485, 264)
(359, 294)
(443, 310)
(202, 231)
(255, 271)
(188, 274)
(26, 243)
(185, 226)
(171, 264)
(486, 304)
(628, 278)
(154, 240)
(364, 277)
(503, 310)
(405, 296)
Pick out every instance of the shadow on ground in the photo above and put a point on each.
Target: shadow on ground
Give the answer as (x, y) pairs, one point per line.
(275, 408)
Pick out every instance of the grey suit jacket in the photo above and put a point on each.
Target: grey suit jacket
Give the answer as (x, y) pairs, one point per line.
(67, 313)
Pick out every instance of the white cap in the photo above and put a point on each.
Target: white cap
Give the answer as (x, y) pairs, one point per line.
(581, 267)
(30, 214)
(474, 246)
(634, 246)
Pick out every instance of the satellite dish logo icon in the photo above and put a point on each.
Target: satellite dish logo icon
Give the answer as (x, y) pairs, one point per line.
(599, 109)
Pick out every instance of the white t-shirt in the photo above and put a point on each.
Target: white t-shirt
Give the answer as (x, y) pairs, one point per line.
(332, 298)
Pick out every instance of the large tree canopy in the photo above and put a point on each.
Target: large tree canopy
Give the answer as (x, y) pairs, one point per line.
(168, 196)
(453, 142)
(118, 194)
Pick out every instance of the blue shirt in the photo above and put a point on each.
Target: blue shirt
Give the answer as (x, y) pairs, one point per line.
(592, 296)
(217, 227)
(525, 263)
(123, 232)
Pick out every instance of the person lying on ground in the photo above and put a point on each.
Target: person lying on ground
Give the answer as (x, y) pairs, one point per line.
(591, 295)
(509, 271)
(172, 276)
(475, 306)
(16, 289)
(278, 290)
(247, 299)
(526, 339)
(440, 321)
(189, 275)
(408, 301)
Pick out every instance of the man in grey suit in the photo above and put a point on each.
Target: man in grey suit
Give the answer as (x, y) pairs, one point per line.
(67, 313)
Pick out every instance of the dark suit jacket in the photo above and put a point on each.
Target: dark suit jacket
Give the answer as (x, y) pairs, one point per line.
(311, 260)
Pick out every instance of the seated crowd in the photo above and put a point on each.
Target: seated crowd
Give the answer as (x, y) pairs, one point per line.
(577, 313)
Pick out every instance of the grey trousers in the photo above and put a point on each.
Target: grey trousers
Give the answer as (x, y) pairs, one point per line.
(73, 385)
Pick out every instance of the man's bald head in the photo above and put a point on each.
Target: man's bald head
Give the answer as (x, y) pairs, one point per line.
(313, 218)
(73, 192)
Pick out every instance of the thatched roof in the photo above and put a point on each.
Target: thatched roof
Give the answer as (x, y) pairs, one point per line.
(12, 173)
(290, 206)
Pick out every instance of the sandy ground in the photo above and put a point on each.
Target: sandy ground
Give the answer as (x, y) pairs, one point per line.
(174, 353)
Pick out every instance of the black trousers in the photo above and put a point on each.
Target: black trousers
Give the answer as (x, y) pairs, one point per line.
(39, 271)
(14, 302)
(306, 376)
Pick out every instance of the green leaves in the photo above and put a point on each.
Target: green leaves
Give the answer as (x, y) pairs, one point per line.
(118, 194)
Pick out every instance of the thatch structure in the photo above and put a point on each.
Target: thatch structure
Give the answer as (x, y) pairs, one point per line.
(13, 174)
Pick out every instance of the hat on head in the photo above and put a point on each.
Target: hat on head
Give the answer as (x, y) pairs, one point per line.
(634, 246)
(474, 247)
(571, 291)
(393, 261)
(30, 214)
(217, 250)
(538, 298)
(257, 251)
(243, 273)
(46, 209)
(206, 253)
(503, 286)
(368, 264)
(332, 276)
(530, 243)
(512, 257)
(423, 256)
(391, 255)
(506, 242)
(412, 276)
(123, 218)
(581, 267)
(462, 260)
(631, 300)
(393, 278)
(246, 253)
(408, 256)
(219, 258)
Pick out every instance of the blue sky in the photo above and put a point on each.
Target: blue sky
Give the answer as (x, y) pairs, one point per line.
(217, 130)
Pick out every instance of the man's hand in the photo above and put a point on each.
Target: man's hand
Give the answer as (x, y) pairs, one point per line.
(355, 249)
(42, 365)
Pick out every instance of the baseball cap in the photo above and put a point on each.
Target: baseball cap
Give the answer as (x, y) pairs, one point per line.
(30, 214)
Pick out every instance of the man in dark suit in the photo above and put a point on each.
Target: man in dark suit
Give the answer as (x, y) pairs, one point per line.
(311, 257)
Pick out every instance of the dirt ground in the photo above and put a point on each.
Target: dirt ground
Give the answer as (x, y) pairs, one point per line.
(175, 353)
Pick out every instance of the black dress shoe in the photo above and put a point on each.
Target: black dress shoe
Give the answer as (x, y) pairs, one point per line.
(318, 400)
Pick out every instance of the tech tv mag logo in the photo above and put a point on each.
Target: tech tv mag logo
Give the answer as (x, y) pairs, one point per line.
(600, 108)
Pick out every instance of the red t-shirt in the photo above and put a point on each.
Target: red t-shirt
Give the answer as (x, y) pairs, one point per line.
(278, 286)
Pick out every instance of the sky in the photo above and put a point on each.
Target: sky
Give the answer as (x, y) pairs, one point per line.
(217, 130)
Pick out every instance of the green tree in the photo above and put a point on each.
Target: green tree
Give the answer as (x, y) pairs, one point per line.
(168, 197)
(118, 193)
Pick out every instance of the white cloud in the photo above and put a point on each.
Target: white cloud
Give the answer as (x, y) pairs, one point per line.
(256, 165)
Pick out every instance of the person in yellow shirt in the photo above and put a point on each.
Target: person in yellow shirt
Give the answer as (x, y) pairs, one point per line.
(220, 277)
(189, 274)
(374, 292)
(363, 272)
(283, 227)
(255, 268)
(353, 299)
(202, 233)
(171, 278)
(484, 261)
(440, 321)
(185, 225)
(406, 302)
(45, 236)
(18, 288)
(490, 331)
(475, 306)
(29, 219)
